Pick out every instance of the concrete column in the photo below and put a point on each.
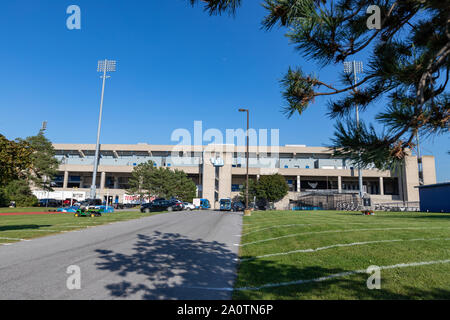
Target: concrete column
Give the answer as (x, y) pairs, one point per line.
(66, 179)
(298, 184)
(381, 186)
(116, 182)
(208, 179)
(339, 184)
(225, 176)
(102, 180)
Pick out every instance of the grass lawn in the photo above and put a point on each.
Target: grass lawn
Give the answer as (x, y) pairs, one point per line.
(33, 209)
(16, 228)
(312, 245)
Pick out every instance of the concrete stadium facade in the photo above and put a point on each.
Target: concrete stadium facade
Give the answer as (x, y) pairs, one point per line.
(305, 168)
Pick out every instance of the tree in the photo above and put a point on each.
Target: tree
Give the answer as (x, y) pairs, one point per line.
(15, 159)
(273, 188)
(161, 182)
(139, 181)
(20, 192)
(44, 164)
(270, 188)
(408, 64)
(167, 184)
(185, 188)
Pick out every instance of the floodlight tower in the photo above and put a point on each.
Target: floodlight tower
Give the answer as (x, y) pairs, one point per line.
(104, 66)
(356, 67)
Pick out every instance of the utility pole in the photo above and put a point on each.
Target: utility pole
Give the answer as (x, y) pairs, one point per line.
(103, 66)
(356, 67)
(247, 158)
(419, 161)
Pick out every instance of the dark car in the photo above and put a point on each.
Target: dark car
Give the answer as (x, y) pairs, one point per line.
(237, 206)
(162, 205)
(50, 203)
(90, 203)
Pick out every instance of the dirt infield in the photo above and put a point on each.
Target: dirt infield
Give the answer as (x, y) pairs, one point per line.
(27, 213)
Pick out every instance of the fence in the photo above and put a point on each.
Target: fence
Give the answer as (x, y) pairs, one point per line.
(323, 201)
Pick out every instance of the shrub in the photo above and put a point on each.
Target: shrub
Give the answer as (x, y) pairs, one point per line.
(19, 191)
(4, 200)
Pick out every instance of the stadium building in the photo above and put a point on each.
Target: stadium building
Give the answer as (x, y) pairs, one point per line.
(219, 171)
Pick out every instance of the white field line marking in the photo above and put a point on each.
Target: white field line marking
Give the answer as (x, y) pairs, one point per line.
(43, 230)
(313, 224)
(274, 227)
(341, 245)
(324, 220)
(14, 239)
(337, 231)
(325, 278)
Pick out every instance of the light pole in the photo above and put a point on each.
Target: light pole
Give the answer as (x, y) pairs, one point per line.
(103, 66)
(356, 67)
(246, 156)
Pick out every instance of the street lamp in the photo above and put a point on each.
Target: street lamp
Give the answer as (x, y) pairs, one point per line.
(356, 67)
(104, 66)
(247, 156)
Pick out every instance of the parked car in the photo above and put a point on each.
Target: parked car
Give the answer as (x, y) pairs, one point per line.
(69, 202)
(189, 206)
(237, 206)
(50, 203)
(162, 205)
(225, 205)
(90, 203)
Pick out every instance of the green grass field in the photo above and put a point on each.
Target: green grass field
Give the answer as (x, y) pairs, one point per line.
(33, 209)
(17, 228)
(343, 242)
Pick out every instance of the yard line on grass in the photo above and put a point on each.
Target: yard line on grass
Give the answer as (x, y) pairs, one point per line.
(340, 245)
(337, 231)
(259, 224)
(279, 226)
(14, 239)
(310, 224)
(325, 278)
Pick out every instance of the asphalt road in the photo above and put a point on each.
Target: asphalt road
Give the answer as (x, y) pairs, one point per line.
(159, 257)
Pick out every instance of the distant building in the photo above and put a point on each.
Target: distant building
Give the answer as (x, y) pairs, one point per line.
(219, 171)
(435, 197)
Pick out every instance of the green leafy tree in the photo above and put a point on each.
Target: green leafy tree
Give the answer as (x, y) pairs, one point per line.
(185, 188)
(270, 188)
(252, 193)
(408, 64)
(44, 164)
(139, 181)
(15, 159)
(4, 200)
(20, 192)
(147, 180)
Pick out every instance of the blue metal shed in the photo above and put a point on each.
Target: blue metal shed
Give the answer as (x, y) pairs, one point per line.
(435, 197)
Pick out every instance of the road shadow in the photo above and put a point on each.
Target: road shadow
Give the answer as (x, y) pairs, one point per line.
(167, 266)
(22, 227)
(352, 287)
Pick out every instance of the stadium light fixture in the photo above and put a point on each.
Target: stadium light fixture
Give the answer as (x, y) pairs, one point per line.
(356, 67)
(103, 66)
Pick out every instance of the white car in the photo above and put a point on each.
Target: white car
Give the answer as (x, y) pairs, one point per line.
(188, 206)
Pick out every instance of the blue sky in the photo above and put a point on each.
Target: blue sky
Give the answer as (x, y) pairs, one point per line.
(176, 65)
